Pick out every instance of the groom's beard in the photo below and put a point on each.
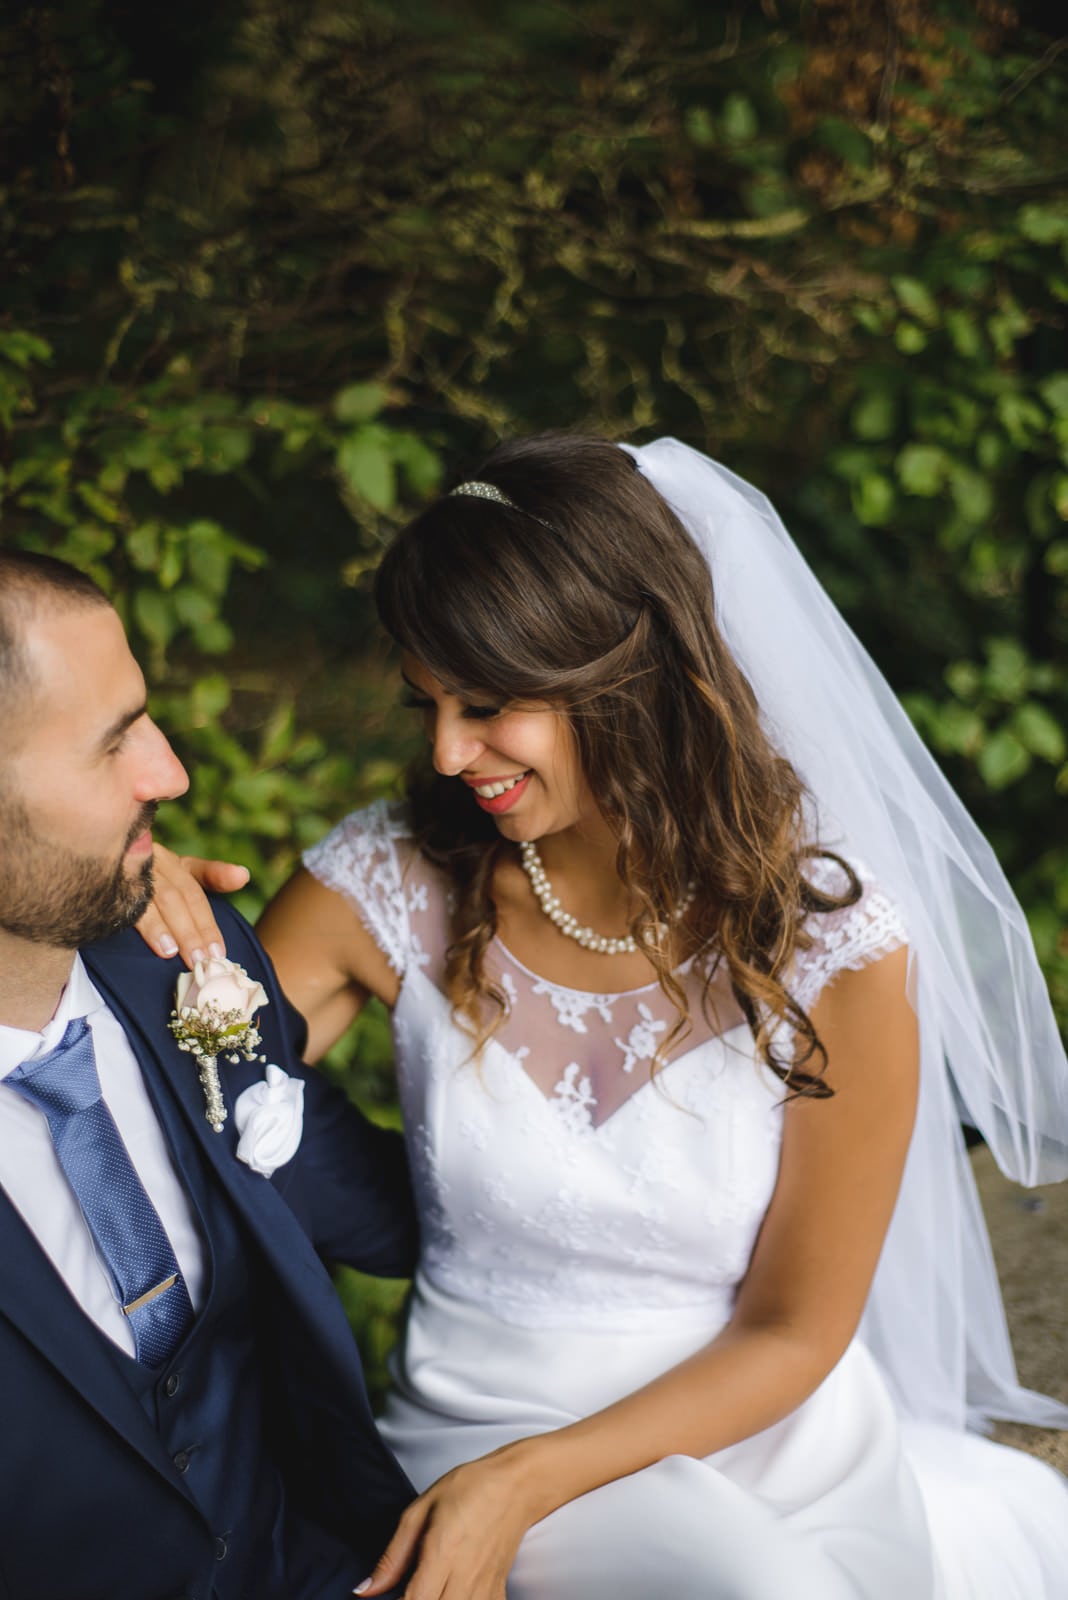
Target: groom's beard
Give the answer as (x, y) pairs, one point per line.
(60, 898)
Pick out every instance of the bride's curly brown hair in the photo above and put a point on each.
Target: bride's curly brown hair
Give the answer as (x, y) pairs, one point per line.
(590, 594)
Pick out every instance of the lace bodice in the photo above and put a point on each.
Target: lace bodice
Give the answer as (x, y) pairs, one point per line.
(556, 1176)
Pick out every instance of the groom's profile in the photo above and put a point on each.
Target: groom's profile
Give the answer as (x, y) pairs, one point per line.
(181, 1402)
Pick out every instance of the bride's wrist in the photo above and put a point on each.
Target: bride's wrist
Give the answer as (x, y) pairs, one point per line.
(536, 1482)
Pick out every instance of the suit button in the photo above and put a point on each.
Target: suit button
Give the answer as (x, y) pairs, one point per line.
(172, 1385)
(181, 1460)
(220, 1549)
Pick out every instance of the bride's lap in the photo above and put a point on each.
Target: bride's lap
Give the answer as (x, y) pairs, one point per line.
(678, 1528)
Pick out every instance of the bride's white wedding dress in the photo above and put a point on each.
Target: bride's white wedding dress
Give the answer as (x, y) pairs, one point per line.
(585, 1229)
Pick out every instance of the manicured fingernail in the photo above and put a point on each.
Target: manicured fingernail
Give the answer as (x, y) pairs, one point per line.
(362, 1588)
(217, 951)
(198, 955)
(168, 946)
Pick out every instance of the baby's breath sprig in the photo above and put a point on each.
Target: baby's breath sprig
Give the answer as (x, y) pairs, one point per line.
(205, 1033)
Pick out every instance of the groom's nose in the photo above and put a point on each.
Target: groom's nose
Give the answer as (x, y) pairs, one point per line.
(160, 775)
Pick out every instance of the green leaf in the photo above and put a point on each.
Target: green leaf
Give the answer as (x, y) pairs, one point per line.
(164, 475)
(922, 468)
(155, 616)
(368, 467)
(957, 729)
(739, 119)
(1022, 418)
(359, 402)
(1003, 760)
(972, 495)
(917, 300)
(276, 739)
(1044, 224)
(208, 556)
(193, 606)
(1054, 391)
(910, 338)
(1039, 505)
(422, 466)
(86, 543)
(142, 546)
(225, 449)
(1056, 561)
(992, 450)
(873, 500)
(1039, 732)
(1008, 325)
(22, 349)
(172, 559)
(1007, 673)
(874, 416)
(101, 505)
(965, 335)
(210, 697)
(964, 678)
(214, 637)
(700, 126)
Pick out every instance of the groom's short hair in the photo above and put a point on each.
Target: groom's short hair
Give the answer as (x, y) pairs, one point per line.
(29, 581)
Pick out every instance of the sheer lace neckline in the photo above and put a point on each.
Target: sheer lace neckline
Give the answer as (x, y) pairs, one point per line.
(587, 1051)
(607, 995)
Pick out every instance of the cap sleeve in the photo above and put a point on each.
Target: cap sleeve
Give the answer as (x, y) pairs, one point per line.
(850, 938)
(359, 859)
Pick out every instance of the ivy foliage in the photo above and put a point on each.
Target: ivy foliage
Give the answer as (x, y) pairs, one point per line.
(273, 266)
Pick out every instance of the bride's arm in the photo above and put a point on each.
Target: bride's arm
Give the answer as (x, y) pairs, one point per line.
(327, 962)
(795, 1314)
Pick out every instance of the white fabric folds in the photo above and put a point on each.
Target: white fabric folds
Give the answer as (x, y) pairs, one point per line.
(989, 1041)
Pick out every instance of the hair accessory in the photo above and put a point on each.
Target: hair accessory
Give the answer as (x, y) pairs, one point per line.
(479, 490)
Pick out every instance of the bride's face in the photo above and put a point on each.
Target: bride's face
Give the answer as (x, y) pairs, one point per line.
(520, 762)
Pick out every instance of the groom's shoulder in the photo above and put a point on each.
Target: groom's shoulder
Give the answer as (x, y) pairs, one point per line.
(126, 950)
(141, 982)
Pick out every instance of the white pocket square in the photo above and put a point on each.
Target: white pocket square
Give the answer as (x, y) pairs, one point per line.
(269, 1117)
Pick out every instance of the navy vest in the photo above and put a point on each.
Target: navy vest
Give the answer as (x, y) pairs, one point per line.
(211, 1405)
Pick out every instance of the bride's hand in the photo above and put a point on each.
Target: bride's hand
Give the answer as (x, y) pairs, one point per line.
(179, 918)
(459, 1539)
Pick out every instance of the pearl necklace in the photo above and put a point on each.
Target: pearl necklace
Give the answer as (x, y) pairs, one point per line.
(543, 893)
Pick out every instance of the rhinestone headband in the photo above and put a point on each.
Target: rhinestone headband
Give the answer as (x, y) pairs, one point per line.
(478, 489)
(484, 491)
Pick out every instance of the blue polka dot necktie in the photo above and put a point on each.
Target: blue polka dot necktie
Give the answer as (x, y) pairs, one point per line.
(64, 1084)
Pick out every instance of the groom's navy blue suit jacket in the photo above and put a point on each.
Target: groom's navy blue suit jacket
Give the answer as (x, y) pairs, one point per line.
(92, 1506)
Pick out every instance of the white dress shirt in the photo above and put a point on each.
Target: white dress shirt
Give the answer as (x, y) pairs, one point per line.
(37, 1186)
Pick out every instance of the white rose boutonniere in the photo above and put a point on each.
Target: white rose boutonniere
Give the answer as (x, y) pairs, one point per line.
(214, 1013)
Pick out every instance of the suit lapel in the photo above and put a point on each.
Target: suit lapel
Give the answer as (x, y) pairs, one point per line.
(171, 1075)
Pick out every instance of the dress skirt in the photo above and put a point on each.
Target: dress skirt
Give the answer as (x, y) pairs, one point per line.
(838, 1501)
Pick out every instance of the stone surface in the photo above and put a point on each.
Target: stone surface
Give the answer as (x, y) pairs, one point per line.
(1029, 1231)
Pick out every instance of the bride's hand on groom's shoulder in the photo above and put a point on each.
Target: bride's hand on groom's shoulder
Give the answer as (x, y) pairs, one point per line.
(459, 1540)
(179, 918)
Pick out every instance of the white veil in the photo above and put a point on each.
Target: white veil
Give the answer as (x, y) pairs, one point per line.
(989, 1042)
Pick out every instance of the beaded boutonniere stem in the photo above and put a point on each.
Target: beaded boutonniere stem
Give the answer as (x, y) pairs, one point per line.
(214, 1013)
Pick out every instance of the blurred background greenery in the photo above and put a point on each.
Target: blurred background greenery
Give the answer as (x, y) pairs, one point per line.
(276, 269)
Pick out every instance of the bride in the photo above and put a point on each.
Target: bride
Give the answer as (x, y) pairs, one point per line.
(694, 962)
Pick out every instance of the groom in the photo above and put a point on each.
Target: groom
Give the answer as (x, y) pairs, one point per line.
(182, 1410)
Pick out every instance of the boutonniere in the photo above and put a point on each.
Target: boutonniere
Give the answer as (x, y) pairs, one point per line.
(214, 1013)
